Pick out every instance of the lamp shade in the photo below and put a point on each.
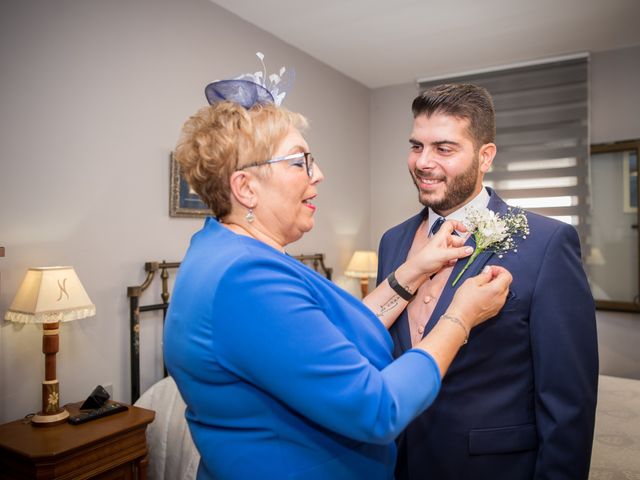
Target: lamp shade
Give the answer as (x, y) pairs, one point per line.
(595, 257)
(48, 295)
(363, 264)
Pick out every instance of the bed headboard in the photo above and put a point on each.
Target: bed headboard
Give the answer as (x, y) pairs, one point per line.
(315, 261)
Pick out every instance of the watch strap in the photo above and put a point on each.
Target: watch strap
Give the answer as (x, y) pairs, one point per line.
(399, 289)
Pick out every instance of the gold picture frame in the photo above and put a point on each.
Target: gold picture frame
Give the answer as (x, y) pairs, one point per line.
(183, 202)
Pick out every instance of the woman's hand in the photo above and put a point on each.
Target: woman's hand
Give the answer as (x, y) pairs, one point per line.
(481, 297)
(478, 299)
(441, 250)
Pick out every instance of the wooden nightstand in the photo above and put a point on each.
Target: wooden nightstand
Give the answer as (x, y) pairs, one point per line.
(113, 447)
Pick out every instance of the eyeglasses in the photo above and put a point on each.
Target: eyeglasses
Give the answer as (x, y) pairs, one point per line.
(297, 159)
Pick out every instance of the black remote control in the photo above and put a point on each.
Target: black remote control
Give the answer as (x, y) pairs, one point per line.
(108, 409)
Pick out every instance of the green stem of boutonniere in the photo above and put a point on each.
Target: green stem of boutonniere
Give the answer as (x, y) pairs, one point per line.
(473, 256)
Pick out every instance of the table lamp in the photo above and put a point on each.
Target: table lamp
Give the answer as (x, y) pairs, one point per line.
(50, 295)
(363, 264)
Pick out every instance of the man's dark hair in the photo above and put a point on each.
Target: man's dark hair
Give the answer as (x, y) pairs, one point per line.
(461, 100)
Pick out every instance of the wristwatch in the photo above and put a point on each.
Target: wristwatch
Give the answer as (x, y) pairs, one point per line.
(399, 289)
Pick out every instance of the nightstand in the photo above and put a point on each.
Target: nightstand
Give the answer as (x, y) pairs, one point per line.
(112, 447)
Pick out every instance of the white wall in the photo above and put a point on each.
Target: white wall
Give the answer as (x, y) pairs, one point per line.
(393, 195)
(93, 95)
(615, 107)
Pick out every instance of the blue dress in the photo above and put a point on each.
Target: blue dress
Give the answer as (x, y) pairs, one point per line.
(284, 374)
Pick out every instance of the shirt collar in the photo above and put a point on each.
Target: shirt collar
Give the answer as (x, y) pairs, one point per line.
(480, 202)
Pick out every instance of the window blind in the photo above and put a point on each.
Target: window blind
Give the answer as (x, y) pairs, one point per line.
(542, 134)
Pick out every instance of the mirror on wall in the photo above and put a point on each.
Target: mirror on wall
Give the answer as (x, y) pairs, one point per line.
(612, 250)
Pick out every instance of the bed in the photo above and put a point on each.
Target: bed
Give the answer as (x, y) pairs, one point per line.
(172, 454)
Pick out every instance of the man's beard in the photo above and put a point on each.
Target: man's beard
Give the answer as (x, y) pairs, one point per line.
(458, 189)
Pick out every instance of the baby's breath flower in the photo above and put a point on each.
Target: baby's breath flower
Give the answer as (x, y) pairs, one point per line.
(494, 232)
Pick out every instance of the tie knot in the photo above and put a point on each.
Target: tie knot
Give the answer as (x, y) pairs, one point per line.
(436, 226)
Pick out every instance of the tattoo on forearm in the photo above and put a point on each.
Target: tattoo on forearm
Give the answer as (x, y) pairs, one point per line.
(390, 305)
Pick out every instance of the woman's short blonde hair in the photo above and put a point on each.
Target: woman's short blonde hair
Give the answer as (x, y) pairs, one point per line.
(221, 138)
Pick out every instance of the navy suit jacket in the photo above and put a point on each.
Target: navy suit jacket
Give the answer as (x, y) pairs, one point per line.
(519, 400)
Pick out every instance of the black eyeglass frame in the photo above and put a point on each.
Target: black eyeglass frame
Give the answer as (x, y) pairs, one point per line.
(308, 161)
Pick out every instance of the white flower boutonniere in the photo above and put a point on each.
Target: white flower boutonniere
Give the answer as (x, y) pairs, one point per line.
(494, 232)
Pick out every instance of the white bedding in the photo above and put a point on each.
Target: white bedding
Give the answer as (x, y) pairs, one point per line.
(616, 445)
(172, 454)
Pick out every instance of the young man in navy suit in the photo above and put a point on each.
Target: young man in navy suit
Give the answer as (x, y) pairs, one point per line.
(519, 400)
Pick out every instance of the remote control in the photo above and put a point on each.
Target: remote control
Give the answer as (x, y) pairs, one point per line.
(108, 409)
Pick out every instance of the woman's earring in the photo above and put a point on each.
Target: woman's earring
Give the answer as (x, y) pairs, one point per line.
(250, 216)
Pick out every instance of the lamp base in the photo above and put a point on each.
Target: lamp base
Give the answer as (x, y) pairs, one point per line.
(364, 286)
(51, 413)
(45, 420)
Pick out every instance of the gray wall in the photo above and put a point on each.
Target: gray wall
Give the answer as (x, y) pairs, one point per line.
(93, 95)
(615, 104)
(615, 95)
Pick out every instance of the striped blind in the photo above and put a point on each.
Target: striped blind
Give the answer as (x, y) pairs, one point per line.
(542, 134)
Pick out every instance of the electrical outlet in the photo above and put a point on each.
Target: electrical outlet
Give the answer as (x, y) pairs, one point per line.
(109, 388)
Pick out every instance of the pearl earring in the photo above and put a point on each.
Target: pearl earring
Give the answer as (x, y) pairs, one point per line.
(250, 216)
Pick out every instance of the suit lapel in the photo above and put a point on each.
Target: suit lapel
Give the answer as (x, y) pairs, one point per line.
(497, 205)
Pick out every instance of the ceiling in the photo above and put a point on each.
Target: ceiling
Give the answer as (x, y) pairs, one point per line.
(385, 42)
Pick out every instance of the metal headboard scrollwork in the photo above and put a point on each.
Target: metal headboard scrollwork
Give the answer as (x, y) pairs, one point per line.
(135, 309)
(315, 261)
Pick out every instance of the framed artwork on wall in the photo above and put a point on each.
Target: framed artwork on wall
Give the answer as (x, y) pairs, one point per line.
(183, 202)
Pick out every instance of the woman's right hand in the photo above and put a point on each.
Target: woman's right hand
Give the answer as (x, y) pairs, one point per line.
(481, 297)
(441, 250)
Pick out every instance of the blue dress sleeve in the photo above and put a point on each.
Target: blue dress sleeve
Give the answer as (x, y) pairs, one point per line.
(271, 332)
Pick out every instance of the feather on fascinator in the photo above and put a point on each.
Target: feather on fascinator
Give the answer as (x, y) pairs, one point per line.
(250, 89)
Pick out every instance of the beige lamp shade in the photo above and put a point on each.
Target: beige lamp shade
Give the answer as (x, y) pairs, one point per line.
(595, 257)
(363, 264)
(48, 295)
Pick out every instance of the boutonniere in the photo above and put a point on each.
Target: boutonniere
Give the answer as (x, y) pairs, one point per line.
(494, 232)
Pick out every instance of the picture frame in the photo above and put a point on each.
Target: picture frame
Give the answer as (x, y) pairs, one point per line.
(183, 202)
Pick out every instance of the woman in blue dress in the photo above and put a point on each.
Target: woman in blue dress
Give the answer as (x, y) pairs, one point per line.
(285, 375)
